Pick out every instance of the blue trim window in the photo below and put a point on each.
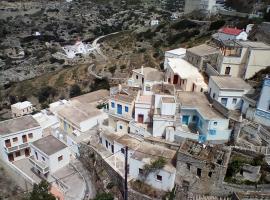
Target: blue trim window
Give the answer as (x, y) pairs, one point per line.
(121, 127)
(126, 108)
(112, 104)
(212, 132)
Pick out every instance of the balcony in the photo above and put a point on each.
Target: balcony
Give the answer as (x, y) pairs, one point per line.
(122, 116)
(16, 148)
(41, 166)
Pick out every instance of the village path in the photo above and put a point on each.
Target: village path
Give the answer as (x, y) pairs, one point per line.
(90, 191)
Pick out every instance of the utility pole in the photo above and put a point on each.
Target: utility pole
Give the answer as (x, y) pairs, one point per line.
(126, 174)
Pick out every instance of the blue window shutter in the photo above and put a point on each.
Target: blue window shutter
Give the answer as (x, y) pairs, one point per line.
(112, 104)
(126, 108)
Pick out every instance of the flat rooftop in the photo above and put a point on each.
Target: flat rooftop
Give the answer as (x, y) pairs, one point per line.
(148, 153)
(92, 97)
(145, 70)
(253, 44)
(154, 76)
(178, 52)
(203, 50)
(168, 99)
(204, 152)
(125, 94)
(163, 88)
(145, 99)
(49, 145)
(22, 105)
(183, 68)
(77, 112)
(18, 124)
(198, 100)
(230, 83)
(128, 140)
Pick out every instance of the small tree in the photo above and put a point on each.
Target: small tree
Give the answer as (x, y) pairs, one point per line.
(153, 166)
(75, 90)
(104, 196)
(41, 192)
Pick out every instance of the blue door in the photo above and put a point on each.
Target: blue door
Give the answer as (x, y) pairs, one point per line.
(185, 119)
(119, 109)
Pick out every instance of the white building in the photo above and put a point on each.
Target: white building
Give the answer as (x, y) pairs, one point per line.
(49, 155)
(199, 121)
(161, 179)
(227, 33)
(78, 48)
(184, 76)
(164, 108)
(207, 6)
(144, 76)
(175, 53)
(21, 108)
(200, 55)
(121, 107)
(16, 135)
(47, 121)
(228, 91)
(262, 114)
(242, 58)
(154, 22)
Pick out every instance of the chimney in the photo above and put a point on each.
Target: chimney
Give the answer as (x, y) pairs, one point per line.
(119, 88)
(142, 70)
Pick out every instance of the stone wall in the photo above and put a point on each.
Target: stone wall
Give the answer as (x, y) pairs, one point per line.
(101, 172)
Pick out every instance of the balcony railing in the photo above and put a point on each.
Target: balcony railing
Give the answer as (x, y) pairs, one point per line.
(41, 166)
(122, 116)
(16, 148)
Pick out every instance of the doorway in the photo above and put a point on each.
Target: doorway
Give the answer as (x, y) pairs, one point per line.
(140, 118)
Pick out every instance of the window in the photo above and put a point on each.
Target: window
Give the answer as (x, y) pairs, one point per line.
(24, 138)
(199, 172)
(18, 153)
(100, 140)
(30, 135)
(36, 155)
(7, 143)
(112, 104)
(188, 166)
(122, 150)
(147, 88)
(224, 101)
(15, 139)
(214, 95)
(212, 132)
(234, 100)
(227, 70)
(140, 171)
(126, 108)
(60, 158)
(137, 77)
(215, 123)
(43, 158)
(121, 127)
(106, 143)
(210, 174)
(159, 178)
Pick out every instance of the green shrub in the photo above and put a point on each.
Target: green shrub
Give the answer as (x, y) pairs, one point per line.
(104, 196)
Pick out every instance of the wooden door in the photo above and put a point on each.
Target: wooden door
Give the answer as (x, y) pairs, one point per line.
(11, 157)
(27, 152)
(140, 118)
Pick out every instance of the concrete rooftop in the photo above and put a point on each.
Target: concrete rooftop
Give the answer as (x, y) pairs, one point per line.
(230, 83)
(198, 100)
(18, 124)
(49, 145)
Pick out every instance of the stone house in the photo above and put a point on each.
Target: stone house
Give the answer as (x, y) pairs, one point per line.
(21, 108)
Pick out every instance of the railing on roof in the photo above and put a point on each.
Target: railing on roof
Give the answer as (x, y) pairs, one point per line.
(41, 166)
